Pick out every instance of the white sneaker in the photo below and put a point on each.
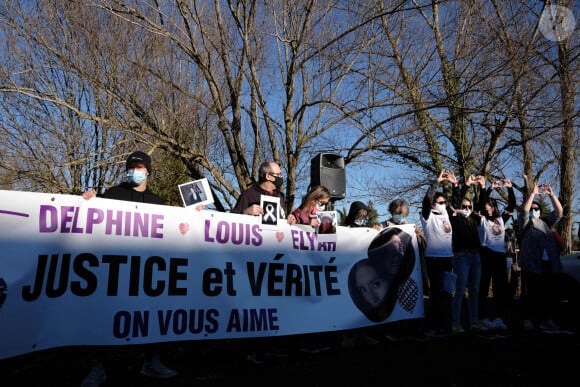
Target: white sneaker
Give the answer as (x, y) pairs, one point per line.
(96, 376)
(499, 324)
(157, 370)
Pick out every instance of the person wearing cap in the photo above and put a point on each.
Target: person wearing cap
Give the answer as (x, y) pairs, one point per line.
(135, 189)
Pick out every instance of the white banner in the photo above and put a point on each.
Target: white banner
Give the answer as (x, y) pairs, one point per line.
(110, 272)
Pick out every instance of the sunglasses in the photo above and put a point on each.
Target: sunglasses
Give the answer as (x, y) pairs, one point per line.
(466, 207)
(443, 202)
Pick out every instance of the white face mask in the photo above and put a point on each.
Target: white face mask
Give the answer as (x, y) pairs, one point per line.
(465, 213)
(360, 222)
(441, 208)
(321, 207)
(534, 214)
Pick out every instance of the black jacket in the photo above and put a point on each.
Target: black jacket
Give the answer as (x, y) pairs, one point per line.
(125, 191)
(355, 207)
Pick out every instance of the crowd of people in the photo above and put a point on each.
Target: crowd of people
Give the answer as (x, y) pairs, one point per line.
(462, 254)
(466, 247)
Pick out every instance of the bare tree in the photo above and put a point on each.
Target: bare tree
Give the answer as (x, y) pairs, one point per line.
(56, 135)
(274, 77)
(568, 87)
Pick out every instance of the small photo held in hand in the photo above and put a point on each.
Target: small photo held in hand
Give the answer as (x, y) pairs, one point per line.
(195, 192)
(326, 231)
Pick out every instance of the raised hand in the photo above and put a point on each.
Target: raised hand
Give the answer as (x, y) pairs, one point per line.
(451, 177)
(442, 176)
(89, 194)
(547, 189)
(471, 180)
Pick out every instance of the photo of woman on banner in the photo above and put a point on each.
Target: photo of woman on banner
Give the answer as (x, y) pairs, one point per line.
(367, 289)
(375, 283)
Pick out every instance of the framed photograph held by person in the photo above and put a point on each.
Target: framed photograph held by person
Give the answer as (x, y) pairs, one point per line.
(326, 231)
(195, 192)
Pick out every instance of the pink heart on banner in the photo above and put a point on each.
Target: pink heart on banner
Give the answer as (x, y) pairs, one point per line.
(280, 236)
(184, 228)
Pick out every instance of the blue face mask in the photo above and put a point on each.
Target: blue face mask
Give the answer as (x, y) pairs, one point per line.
(398, 219)
(534, 214)
(321, 207)
(136, 177)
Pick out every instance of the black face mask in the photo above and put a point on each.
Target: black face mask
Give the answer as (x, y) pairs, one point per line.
(278, 182)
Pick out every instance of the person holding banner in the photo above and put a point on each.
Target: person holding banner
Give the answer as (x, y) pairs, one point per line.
(138, 166)
(392, 254)
(270, 182)
(383, 280)
(313, 202)
(399, 210)
(365, 278)
(411, 329)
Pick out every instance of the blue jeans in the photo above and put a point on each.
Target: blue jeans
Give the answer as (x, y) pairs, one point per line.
(467, 266)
